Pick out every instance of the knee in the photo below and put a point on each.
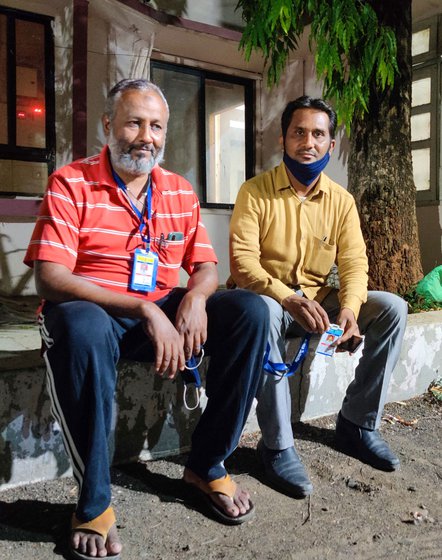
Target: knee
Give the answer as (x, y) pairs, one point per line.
(395, 307)
(276, 313)
(390, 307)
(245, 305)
(80, 322)
(252, 305)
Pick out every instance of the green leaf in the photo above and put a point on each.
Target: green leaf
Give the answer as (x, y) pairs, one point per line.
(352, 50)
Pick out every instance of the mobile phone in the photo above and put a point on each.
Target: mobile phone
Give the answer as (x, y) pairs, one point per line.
(175, 236)
(352, 344)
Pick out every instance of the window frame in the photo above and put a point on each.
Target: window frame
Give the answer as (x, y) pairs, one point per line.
(10, 150)
(428, 65)
(249, 96)
(428, 71)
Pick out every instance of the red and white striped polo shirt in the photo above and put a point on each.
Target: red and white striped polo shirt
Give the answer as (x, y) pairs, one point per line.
(87, 224)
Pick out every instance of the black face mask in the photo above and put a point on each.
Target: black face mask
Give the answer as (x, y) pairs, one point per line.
(305, 173)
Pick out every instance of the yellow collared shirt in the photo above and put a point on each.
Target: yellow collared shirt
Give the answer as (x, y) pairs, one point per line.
(279, 242)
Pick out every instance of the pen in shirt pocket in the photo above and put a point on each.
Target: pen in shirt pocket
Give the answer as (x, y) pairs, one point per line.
(162, 242)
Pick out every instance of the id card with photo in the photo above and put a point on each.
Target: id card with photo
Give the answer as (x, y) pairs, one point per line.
(144, 271)
(327, 340)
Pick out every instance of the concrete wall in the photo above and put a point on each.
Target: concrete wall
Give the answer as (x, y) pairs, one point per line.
(151, 420)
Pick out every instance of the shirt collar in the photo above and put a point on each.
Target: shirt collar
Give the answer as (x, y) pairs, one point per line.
(106, 177)
(282, 181)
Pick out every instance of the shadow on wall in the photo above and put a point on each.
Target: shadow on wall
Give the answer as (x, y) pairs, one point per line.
(152, 418)
(63, 36)
(430, 235)
(27, 430)
(150, 421)
(8, 284)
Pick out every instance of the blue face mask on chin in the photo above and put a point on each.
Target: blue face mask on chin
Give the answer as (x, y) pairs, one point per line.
(305, 173)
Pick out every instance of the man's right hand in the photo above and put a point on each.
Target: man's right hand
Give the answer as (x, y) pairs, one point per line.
(309, 314)
(55, 282)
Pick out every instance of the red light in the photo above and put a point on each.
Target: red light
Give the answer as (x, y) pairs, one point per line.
(21, 115)
(38, 110)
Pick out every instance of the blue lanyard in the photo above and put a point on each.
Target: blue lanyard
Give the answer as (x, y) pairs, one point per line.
(286, 370)
(143, 224)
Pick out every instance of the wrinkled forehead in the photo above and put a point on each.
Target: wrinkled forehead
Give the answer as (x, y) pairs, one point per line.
(141, 103)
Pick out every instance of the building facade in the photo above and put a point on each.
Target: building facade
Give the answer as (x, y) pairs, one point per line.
(59, 58)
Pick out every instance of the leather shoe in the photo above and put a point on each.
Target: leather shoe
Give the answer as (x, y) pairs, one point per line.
(284, 470)
(365, 445)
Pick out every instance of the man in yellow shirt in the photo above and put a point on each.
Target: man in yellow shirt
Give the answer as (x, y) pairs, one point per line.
(289, 226)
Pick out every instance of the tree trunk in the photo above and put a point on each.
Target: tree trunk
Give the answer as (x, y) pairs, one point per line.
(380, 168)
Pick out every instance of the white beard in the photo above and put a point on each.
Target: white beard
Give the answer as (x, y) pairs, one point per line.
(123, 160)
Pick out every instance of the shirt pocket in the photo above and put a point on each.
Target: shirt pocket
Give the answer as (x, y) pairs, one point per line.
(170, 256)
(319, 257)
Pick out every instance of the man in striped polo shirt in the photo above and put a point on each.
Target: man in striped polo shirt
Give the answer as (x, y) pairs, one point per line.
(113, 231)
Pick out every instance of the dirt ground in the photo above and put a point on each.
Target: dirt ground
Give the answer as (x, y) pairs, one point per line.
(355, 512)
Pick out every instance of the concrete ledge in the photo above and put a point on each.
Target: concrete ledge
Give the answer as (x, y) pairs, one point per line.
(151, 420)
(319, 388)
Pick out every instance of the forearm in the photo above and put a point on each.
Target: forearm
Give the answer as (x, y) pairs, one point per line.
(203, 280)
(249, 274)
(353, 285)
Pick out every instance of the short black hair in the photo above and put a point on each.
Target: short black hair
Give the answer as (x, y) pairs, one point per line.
(307, 102)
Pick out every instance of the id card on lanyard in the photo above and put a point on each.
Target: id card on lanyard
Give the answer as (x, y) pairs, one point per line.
(145, 262)
(144, 271)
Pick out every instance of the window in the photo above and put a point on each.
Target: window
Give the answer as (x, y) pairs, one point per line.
(210, 132)
(27, 119)
(426, 100)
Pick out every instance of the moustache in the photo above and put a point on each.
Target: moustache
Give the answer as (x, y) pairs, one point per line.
(146, 147)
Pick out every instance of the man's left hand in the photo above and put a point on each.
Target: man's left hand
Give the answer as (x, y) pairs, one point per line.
(191, 322)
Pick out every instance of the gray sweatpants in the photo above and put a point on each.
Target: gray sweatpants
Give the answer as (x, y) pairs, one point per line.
(382, 320)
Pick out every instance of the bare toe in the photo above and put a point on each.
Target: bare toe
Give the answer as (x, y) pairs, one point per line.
(93, 545)
(113, 544)
(238, 505)
(242, 500)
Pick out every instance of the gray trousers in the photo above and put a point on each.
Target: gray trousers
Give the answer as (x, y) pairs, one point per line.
(382, 320)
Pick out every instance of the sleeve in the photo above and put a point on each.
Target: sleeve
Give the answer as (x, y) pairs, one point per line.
(245, 249)
(352, 262)
(198, 248)
(56, 233)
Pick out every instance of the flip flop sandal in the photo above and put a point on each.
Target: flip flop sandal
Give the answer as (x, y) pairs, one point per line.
(225, 486)
(99, 526)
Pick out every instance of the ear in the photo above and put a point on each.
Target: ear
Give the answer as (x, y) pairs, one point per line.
(332, 146)
(105, 120)
(281, 142)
